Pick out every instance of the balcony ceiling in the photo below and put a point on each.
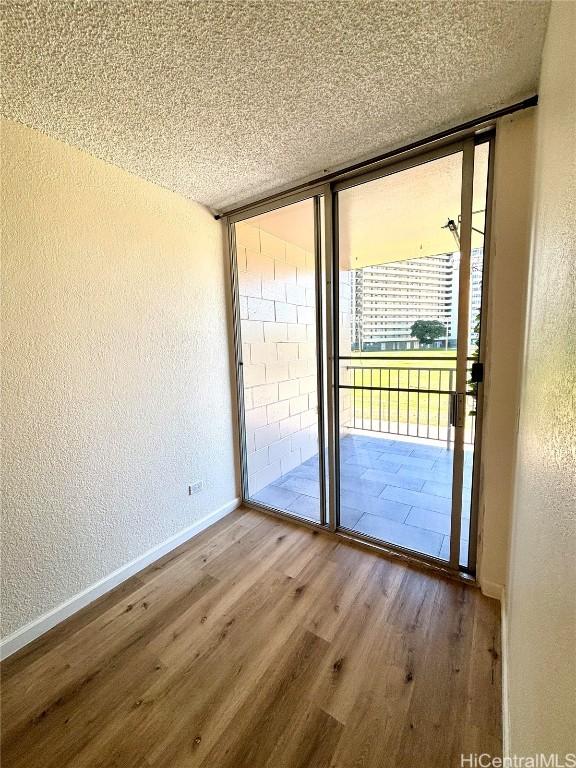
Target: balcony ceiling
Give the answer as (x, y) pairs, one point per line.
(398, 217)
(403, 216)
(226, 101)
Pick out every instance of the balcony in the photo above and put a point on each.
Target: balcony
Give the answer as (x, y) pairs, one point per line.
(396, 490)
(396, 457)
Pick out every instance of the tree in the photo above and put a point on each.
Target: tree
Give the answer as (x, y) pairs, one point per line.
(427, 331)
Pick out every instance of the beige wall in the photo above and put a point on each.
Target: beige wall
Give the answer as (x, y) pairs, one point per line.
(116, 378)
(541, 592)
(509, 262)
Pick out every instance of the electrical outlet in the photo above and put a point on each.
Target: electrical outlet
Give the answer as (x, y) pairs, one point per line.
(195, 488)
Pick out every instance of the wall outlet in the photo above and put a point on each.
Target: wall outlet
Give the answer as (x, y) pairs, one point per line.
(195, 488)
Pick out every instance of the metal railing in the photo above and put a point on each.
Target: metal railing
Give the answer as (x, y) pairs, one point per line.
(400, 400)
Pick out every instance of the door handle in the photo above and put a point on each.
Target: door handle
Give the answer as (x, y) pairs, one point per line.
(457, 409)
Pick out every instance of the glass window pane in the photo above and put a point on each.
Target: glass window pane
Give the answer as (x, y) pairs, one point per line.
(481, 155)
(399, 278)
(276, 280)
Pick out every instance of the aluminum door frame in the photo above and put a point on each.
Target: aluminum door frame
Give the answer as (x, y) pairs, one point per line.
(482, 349)
(314, 194)
(466, 146)
(327, 268)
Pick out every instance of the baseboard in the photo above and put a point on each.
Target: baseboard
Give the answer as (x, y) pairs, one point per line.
(42, 624)
(491, 589)
(505, 702)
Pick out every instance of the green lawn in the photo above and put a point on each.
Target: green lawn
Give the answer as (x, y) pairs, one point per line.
(434, 370)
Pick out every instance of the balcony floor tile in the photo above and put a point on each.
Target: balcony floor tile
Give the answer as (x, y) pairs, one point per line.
(394, 490)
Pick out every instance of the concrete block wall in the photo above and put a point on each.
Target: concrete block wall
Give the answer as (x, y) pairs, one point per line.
(278, 328)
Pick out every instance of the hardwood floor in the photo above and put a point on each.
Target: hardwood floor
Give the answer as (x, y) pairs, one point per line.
(262, 643)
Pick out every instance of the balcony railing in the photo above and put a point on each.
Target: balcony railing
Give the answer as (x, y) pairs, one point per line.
(402, 396)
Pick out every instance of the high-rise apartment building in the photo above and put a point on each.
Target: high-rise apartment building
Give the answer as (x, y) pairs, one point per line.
(388, 298)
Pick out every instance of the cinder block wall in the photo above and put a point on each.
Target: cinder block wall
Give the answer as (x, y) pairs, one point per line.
(278, 324)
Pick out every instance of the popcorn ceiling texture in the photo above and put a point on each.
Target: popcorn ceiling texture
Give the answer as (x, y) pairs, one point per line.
(222, 101)
(116, 388)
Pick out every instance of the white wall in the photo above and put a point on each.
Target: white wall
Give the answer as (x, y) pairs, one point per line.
(508, 285)
(541, 593)
(277, 297)
(116, 377)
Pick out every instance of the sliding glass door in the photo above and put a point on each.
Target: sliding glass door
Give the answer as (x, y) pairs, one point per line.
(358, 338)
(407, 331)
(279, 332)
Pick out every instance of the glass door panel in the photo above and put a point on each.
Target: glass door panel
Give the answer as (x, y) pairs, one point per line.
(276, 256)
(408, 244)
(473, 385)
(399, 294)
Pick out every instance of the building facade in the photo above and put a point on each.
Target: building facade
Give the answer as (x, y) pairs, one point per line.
(388, 298)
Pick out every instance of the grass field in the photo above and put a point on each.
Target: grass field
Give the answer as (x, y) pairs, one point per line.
(406, 412)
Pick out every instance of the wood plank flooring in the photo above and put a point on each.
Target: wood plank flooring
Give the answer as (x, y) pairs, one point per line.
(261, 643)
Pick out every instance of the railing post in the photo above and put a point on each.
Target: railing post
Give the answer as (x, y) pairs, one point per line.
(449, 425)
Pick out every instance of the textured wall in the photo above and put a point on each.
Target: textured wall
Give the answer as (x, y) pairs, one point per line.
(541, 604)
(509, 262)
(116, 385)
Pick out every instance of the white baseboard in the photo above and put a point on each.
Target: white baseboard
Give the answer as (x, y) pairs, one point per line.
(491, 589)
(505, 702)
(42, 624)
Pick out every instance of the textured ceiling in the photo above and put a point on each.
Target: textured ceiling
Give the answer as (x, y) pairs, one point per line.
(223, 101)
